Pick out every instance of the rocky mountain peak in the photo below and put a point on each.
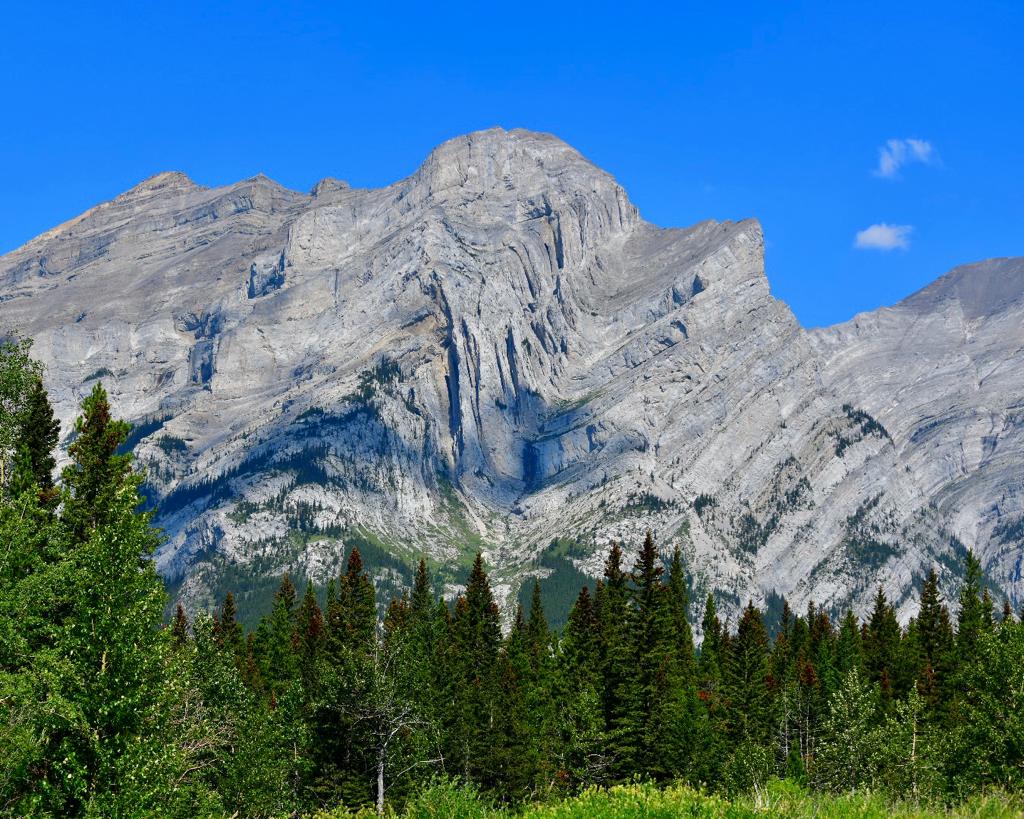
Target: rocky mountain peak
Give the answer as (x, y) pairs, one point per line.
(514, 176)
(164, 182)
(327, 186)
(982, 289)
(497, 352)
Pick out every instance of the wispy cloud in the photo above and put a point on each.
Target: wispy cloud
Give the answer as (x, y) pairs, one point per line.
(899, 152)
(883, 237)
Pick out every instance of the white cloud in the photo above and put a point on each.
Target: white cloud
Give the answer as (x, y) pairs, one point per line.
(883, 237)
(899, 152)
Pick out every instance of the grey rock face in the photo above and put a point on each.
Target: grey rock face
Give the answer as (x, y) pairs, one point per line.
(498, 351)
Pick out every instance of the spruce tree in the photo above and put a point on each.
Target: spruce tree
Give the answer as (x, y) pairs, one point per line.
(971, 619)
(679, 615)
(583, 749)
(882, 648)
(353, 623)
(849, 648)
(475, 640)
(540, 700)
(615, 618)
(709, 666)
(275, 635)
(746, 680)
(40, 432)
(936, 640)
(97, 471)
(308, 642)
(229, 630)
(515, 752)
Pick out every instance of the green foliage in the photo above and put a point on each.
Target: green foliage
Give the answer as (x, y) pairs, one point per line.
(96, 725)
(777, 798)
(383, 375)
(102, 372)
(171, 444)
(702, 502)
(19, 377)
(861, 425)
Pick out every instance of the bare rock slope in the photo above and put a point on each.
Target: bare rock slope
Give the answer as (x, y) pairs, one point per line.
(497, 352)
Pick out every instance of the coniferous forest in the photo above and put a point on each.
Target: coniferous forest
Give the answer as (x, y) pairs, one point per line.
(435, 709)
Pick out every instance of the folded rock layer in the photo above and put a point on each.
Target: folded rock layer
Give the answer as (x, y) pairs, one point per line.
(498, 353)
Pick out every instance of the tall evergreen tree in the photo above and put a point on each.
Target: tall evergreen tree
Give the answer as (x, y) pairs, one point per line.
(679, 614)
(882, 648)
(849, 648)
(40, 432)
(229, 631)
(746, 679)
(274, 638)
(476, 637)
(353, 622)
(97, 471)
(935, 633)
(583, 757)
(971, 616)
(308, 642)
(179, 626)
(614, 617)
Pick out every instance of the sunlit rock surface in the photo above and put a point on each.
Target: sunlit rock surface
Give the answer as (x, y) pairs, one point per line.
(499, 351)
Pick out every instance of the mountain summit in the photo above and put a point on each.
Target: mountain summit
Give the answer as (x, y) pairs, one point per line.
(498, 353)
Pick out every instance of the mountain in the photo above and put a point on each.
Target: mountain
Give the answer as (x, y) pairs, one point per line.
(498, 353)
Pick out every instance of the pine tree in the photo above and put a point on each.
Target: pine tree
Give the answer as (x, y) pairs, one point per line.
(308, 641)
(746, 680)
(849, 648)
(935, 633)
(97, 472)
(40, 432)
(583, 756)
(275, 638)
(476, 637)
(229, 630)
(971, 614)
(882, 648)
(615, 617)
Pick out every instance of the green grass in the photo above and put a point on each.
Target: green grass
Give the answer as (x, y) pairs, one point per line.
(776, 798)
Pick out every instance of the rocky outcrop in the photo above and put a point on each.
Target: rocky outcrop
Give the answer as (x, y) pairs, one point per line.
(498, 351)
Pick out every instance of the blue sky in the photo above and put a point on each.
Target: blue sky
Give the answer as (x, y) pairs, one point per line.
(701, 110)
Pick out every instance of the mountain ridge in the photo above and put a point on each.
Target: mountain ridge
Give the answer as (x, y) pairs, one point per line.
(497, 351)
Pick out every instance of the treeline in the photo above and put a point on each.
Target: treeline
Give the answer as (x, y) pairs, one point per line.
(106, 711)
